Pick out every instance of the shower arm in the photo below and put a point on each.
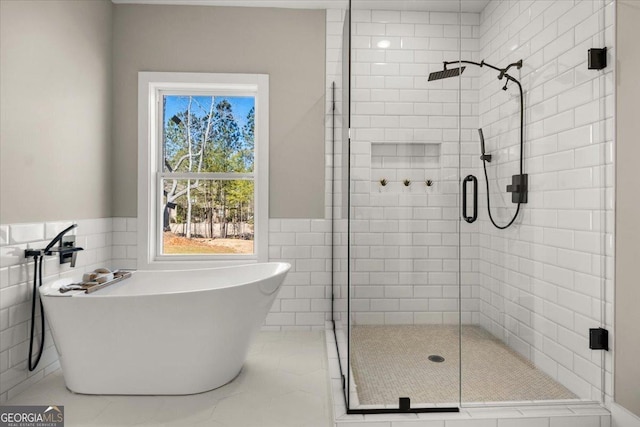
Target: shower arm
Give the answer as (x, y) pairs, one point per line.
(503, 71)
(503, 74)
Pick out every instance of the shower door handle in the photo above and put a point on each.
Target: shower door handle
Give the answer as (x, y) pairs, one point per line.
(470, 178)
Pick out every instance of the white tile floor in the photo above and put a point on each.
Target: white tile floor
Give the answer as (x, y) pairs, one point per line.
(283, 383)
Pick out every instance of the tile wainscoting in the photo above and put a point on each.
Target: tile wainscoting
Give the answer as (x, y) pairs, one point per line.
(16, 284)
(303, 302)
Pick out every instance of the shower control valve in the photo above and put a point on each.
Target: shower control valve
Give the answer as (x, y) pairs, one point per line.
(518, 188)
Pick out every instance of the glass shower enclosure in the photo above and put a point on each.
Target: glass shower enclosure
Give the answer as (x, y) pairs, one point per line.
(471, 203)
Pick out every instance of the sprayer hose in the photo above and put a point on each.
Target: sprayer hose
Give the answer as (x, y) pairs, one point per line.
(37, 273)
(484, 164)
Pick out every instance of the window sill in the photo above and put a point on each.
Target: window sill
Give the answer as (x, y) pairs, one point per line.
(194, 263)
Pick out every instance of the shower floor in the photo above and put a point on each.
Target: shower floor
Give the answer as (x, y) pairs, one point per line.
(389, 362)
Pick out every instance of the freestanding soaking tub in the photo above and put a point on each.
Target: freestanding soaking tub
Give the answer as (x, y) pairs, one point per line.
(161, 332)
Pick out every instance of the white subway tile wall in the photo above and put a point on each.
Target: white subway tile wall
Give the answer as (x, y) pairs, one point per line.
(543, 283)
(125, 243)
(404, 133)
(541, 280)
(304, 300)
(16, 287)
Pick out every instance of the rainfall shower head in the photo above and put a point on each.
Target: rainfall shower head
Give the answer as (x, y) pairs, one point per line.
(439, 75)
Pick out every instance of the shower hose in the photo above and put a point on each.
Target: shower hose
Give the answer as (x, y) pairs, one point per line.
(484, 162)
(37, 273)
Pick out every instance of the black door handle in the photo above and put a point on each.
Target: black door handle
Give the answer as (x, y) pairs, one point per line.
(470, 178)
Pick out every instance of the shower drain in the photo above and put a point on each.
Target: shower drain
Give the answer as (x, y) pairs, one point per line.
(436, 358)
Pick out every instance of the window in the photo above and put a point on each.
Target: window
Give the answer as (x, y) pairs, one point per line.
(202, 168)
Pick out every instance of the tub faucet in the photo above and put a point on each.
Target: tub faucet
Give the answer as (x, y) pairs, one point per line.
(68, 252)
(67, 248)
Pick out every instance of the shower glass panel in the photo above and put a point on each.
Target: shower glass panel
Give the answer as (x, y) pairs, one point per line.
(404, 240)
(538, 284)
(473, 203)
(338, 106)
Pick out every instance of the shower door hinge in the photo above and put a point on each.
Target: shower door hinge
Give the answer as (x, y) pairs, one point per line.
(599, 339)
(597, 59)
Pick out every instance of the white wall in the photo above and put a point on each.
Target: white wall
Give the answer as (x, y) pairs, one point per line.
(286, 44)
(405, 239)
(55, 110)
(542, 279)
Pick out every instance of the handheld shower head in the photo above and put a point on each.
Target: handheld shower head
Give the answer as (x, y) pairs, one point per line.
(481, 134)
(483, 155)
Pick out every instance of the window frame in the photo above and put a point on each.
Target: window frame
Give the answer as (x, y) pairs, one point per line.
(152, 86)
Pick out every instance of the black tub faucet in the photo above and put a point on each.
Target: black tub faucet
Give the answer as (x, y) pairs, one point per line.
(67, 248)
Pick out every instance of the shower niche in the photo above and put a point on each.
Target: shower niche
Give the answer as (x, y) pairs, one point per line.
(504, 311)
(401, 168)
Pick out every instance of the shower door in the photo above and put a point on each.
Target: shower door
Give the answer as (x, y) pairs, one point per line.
(404, 209)
(479, 194)
(538, 259)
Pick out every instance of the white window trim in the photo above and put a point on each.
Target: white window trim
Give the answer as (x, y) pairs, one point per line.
(150, 85)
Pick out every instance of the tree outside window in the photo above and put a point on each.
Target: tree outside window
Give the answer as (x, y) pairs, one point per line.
(208, 145)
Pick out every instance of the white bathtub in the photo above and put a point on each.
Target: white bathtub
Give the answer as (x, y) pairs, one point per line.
(161, 332)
